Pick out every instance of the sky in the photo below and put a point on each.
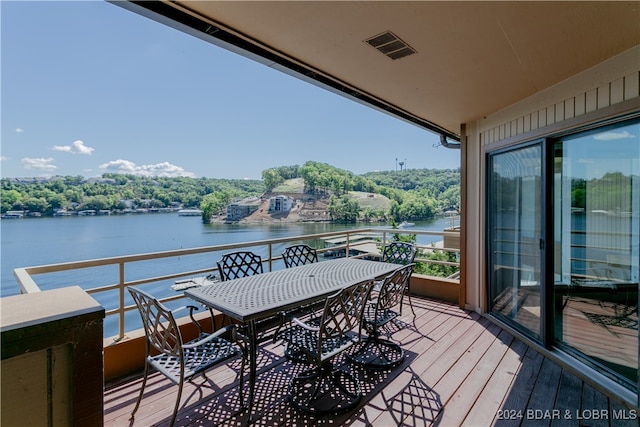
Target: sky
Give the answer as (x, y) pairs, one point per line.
(88, 87)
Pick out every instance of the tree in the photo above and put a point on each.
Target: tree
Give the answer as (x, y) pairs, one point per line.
(344, 209)
(97, 203)
(438, 270)
(214, 203)
(35, 204)
(11, 200)
(368, 213)
(394, 211)
(271, 179)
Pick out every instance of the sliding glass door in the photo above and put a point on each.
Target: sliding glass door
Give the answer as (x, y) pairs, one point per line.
(596, 236)
(563, 240)
(515, 233)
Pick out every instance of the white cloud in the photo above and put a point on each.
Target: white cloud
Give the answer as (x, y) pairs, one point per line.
(161, 169)
(76, 147)
(40, 164)
(3, 158)
(586, 161)
(19, 130)
(609, 136)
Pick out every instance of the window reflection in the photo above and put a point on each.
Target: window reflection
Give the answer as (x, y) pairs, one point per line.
(515, 233)
(596, 248)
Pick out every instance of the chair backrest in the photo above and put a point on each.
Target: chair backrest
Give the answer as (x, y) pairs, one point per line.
(239, 264)
(393, 287)
(399, 253)
(343, 312)
(296, 255)
(159, 324)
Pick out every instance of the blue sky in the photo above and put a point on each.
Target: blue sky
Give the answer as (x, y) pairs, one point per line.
(89, 87)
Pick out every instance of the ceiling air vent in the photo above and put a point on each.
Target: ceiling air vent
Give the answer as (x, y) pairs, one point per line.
(390, 45)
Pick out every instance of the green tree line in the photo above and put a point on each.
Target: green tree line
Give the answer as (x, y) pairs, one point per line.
(413, 194)
(115, 191)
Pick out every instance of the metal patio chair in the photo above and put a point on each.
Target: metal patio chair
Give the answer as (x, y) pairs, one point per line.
(376, 352)
(234, 265)
(296, 255)
(324, 389)
(400, 253)
(167, 353)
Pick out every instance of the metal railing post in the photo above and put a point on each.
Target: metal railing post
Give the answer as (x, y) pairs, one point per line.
(121, 305)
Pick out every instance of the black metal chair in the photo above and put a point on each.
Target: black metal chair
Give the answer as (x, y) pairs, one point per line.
(376, 352)
(167, 353)
(234, 265)
(400, 253)
(296, 255)
(324, 389)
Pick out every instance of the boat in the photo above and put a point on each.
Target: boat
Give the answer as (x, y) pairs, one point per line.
(12, 215)
(189, 212)
(405, 224)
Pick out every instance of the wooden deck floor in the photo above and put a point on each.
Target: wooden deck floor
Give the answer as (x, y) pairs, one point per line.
(460, 370)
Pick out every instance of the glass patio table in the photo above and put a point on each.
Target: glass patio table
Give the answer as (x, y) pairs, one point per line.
(253, 298)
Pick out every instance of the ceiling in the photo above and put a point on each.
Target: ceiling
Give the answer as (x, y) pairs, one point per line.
(471, 58)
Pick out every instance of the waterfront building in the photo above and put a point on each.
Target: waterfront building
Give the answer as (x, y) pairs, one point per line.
(238, 210)
(280, 203)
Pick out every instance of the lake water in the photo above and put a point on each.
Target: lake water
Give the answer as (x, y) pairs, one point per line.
(38, 241)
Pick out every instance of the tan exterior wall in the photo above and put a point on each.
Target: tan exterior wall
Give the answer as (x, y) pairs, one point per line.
(435, 287)
(473, 221)
(51, 359)
(607, 90)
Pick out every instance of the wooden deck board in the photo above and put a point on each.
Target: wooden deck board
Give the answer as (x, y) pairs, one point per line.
(475, 380)
(489, 401)
(460, 369)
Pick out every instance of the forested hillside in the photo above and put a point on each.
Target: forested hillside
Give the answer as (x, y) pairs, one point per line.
(116, 192)
(415, 193)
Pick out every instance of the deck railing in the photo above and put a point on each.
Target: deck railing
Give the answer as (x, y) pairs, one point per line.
(355, 242)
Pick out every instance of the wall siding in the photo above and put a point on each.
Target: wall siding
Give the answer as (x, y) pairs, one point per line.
(619, 90)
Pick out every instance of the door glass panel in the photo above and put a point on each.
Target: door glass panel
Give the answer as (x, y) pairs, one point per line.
(515, 212)
(596, 255)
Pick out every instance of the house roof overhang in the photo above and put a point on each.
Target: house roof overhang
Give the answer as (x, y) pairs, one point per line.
(470, 59)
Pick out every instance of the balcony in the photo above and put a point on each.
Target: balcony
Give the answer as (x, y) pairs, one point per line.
(460, 368)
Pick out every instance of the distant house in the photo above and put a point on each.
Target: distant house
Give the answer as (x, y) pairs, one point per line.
(280, 204)
(127, 203)
(241, 209)
(98, 180)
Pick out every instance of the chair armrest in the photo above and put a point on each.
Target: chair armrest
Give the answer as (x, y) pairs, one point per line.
(210, 337)
(192, 309)
(184, 307)
(305, 325)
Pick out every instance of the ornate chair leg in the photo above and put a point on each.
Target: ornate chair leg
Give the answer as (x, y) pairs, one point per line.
(144, 383)
(410, 304)
(177, 405)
